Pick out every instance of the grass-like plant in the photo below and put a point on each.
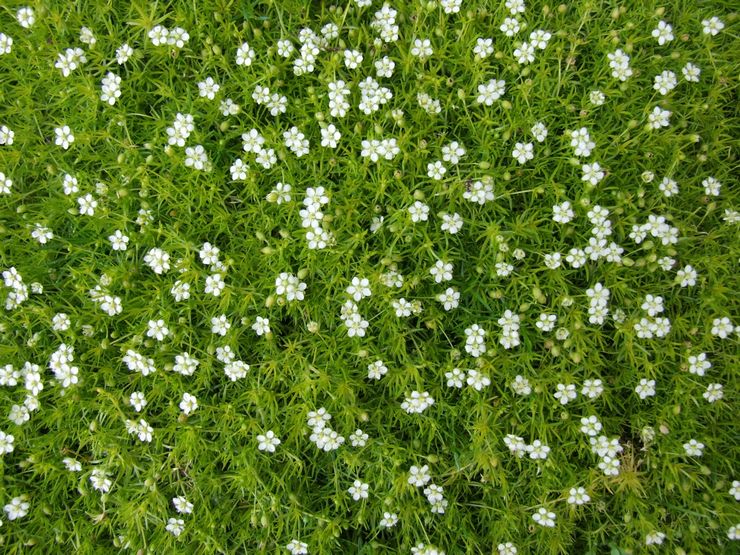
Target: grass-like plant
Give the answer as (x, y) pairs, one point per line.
(455, 276)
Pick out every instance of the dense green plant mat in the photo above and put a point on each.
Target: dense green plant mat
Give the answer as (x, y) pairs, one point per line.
(414, 277)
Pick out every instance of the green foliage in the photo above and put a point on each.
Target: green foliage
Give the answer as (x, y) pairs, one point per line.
(247, 500)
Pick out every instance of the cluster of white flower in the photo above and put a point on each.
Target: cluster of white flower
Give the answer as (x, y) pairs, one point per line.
(430, 105)
(657, 227)
(60, 363)
(296, 141)
(376, 149)
(321, 434)
(181, 129)
(475, 340)
(136, 362)
(373, 96)
(353, 320)
(161, 36)
(580, 140)
(491, 91)
(276, 104)
(598, 304)
(384, 23)
(619, 62)
(110, 304)
(417, 402)
(141, 429)
(608, 451)
(358, 289)
(655, 325)
(518, 447)
(311, 45)
(509, 323)
(479, 191)
(317, 236)
(111, 88)
(233, 368)
(18, 293)
(69, 60)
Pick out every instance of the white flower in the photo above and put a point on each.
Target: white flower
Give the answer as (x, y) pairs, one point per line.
(421, 48)
(722, 327)
(578, 496)
(352, 59)
(483, 48)
(100, 481)
(510, 26)
(268, 441)
(389, 520)
(646, 388)
(359, 490)
(539, 131)
(419, 476)
(197, 158)
(182, 505)
(525, 53)
(175, 526)
(663, 32)
(376, 370)
(188, 404)
(713, 393)
(419, 212)
(659, 118)
(654, 538)
(441, 271)
(565, 393)
(491, 91)
(359, 288)
(296, 547)
(64, 137)
(261, 326)
(330, 136)
(17, 508)
(123, 53)
(592, 173)
(244, 55)
(358, 438)
(712, 26)
(157, 329)
(118, 241)
(711, 186)
(693, 448)
(220, 325)
(137, 400)
(523, 152)
(436, 170)
(6, 44)
(6, 443)
(450, 299)
(477, 380)
(537, 450)
(545, 518)
(25, 17)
